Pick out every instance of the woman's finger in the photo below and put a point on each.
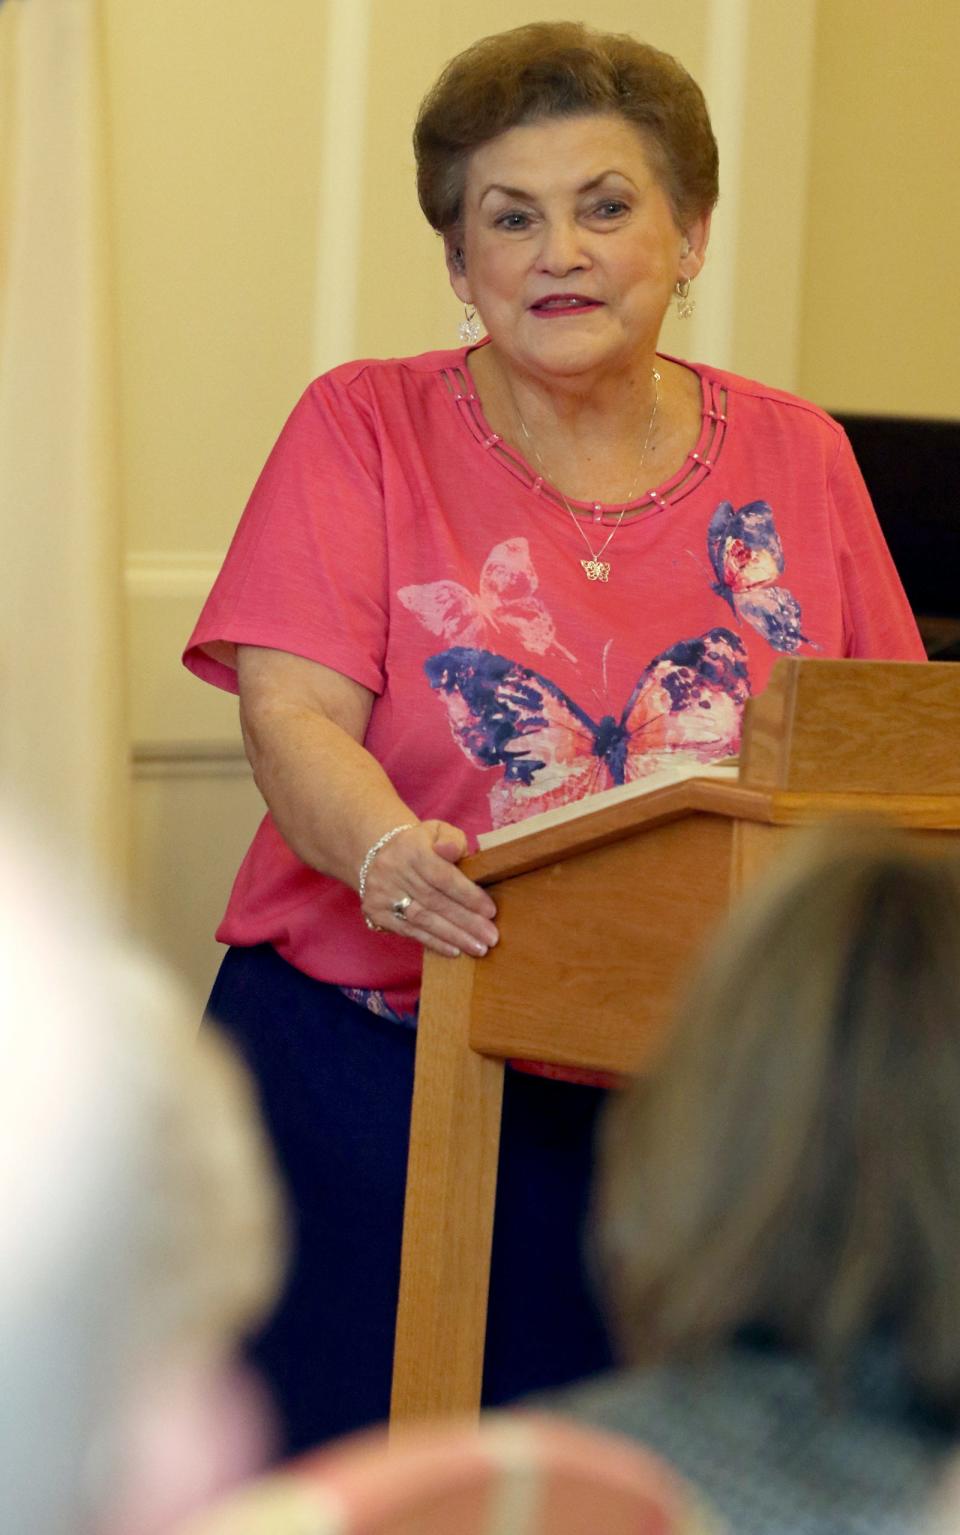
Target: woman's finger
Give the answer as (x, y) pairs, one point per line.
(450, 845)
(415, 889)
(440, 938)
(450, 907)
(448, 919)
(449, 931)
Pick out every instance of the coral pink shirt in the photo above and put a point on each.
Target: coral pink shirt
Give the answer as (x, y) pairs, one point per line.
(393, 537)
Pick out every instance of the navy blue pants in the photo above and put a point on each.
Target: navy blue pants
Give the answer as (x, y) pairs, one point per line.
(335, 1084)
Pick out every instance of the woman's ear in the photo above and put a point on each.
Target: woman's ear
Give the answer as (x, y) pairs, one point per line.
(693, 246)
(457, 268)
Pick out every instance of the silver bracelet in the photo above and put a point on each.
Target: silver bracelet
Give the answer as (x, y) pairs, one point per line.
(368, 858)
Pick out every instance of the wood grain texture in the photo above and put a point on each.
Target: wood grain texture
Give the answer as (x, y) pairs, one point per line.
(595, 828)
(448, 1215)
(764, 747)
(877, 727)
(756, 847)
(918, 810)
(594, 949)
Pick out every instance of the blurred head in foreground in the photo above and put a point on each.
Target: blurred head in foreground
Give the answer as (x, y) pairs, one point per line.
(795, 1164)
(141, 1233)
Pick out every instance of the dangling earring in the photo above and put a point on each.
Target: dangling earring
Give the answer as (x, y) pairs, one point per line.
(685, 304)
(470, 328)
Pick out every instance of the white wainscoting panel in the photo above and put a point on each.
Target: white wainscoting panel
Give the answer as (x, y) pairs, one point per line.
(167, 706)
(194, 803)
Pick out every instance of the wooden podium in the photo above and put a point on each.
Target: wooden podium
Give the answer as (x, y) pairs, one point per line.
(601, 918)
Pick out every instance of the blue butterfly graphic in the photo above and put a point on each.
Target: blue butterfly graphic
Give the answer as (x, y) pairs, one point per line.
(687, 702)
(747, 557)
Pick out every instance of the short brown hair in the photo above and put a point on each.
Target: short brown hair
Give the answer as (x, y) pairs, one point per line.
(563, 69)
(795, 1163)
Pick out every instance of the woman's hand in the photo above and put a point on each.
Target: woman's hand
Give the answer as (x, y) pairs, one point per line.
(447, 913)
(303, 725)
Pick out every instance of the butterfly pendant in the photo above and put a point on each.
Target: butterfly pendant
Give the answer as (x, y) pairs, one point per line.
(687, 703)
(505, 601)
(596, 570)
(747, 557)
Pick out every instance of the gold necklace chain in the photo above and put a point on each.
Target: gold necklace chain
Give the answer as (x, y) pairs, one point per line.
(595, 568)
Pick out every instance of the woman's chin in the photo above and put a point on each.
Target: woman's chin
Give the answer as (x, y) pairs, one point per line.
(569, 358)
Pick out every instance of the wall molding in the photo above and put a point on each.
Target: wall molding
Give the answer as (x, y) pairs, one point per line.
(154, 573)
(188, 759)
(724, 85)
(345, 86)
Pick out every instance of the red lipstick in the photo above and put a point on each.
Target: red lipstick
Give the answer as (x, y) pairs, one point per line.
(555, 305)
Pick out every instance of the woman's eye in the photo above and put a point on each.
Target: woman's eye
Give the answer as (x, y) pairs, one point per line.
(513, 220)
(611, 208)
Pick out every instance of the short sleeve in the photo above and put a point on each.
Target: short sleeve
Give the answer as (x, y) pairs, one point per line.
(306, 570)
(877, 621)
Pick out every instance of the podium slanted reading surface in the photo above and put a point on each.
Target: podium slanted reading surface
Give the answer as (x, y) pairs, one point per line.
(601, 917)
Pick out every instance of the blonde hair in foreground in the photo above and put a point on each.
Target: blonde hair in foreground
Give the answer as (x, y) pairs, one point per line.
(795, 1163)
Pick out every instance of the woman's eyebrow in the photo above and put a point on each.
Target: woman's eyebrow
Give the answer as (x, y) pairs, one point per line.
(515, 192)
(520, 195)
(595, 181)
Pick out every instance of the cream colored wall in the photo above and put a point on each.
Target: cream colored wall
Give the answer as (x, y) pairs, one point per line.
(881, 320)
(62, 729)
(767, 246)
(215, 114)
(215, 134)
(266, 227)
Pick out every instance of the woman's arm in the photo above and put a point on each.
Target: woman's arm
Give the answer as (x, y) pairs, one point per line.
(331, 800)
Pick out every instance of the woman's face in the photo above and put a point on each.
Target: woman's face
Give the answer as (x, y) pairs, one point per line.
(570, 250)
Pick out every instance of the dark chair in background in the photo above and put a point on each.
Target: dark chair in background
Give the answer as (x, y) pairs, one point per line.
(912, 470)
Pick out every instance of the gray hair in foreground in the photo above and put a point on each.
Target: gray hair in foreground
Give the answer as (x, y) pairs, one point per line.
(795, 1162)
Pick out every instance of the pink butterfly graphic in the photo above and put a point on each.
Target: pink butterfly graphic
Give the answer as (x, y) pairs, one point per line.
(506, 602)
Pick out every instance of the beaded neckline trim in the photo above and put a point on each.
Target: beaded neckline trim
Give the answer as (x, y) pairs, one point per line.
(697, 466)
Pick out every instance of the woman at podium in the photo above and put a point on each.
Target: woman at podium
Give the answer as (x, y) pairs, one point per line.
(474, 584)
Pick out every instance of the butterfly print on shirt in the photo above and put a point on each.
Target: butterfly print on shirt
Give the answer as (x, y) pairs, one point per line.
(747, 557)
(506, 602)
(687, 703)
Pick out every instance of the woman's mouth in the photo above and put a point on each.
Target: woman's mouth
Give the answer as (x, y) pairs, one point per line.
(559, 304)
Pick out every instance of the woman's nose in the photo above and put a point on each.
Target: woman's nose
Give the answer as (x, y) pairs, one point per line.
(561, 249)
